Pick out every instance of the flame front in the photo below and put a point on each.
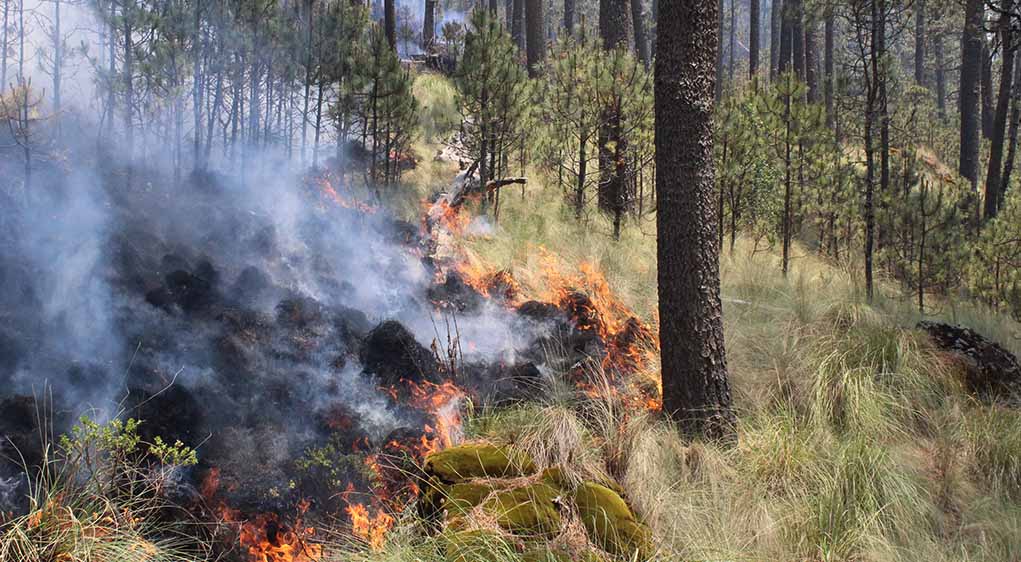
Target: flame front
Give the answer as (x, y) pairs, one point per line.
(266, 539)
(371, 529)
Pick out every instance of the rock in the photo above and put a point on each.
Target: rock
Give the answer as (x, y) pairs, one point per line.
(530, 510)
(351, 324)
(464, 462)
(391, 353)
(455, 293)
(990, 370)
(251, 284)
(461, 498)
(610, 522)
(190, 291)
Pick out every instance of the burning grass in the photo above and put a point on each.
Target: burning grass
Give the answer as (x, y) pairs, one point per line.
(856, 439)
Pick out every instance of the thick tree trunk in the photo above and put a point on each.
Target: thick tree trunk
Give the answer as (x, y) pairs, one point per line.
(641, 44)
(971, 70)
(1015, 123)
(536, 48)
(798, 37)
(429, 24)
(696, 392)
(783, 62)
(754, 27)
(569, 16)
(920, 42)
(775, 19)
(390, 22)
(518, 24)
(812, 61)
(994, 174)
(614, 24)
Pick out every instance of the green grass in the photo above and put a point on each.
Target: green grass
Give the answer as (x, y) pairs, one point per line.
(856, 438)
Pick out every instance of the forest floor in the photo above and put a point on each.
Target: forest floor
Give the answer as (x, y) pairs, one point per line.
(856, 437)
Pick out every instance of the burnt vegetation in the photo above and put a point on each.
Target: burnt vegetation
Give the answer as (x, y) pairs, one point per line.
(298, 281)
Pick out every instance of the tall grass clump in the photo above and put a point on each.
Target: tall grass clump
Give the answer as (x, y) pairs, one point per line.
(98, 495)
(439, 114)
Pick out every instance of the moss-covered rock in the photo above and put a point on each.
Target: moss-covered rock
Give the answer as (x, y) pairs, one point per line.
(461, 498)
(610, 522)
(530, 510)
(557, 478)
(545, 554)
(465, 462)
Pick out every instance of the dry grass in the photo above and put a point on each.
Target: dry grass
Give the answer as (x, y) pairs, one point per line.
(856, 440)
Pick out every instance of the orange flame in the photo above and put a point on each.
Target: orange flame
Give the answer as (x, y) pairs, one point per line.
(371, 529)
(266, 539)
(326, 187)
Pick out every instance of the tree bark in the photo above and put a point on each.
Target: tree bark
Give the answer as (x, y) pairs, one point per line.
(614, 24)
(536, 46)
(1015, 122)
(994, 174)
(429, 24)
(783, 62)
(920, 42)
(987, 89)
(811, 61)
(941, 76)
(641, 44)
(830, 31)
(754, 27)
(879, 43)
(775, 18)
(390, 22)
(569, 16)
(971, 70)
(518, 24)
(696, 391)
(798, 38)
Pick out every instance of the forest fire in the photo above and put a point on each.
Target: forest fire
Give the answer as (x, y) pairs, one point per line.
(628, 345)
(448, 216)
(444, 402)
(325, 185)
(371, 529)
(266, 539)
